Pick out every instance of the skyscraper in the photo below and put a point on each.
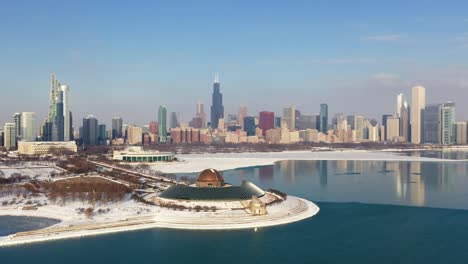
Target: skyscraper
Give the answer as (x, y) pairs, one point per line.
(135, 135)
(217, 108)
(201, 114)
(461, 133)
(17, 120)
(323, 127)
(174, 120)
(404, 117)
(418, 103)
(162, 122)
(392, 128)
(28, 126)
(289, 116)
(448, 123)
(267, 121)
(102, 134)
(249, 125)
(399, 104)
(90, 133)
(241, 115)
(58, 125)
(9, 138)
(307, 122)
(431, 124)
(116, 127)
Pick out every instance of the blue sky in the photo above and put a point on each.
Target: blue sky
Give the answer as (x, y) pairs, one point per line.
(127, 58)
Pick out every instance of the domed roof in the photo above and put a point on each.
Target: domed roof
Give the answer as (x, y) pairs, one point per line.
(210, 175)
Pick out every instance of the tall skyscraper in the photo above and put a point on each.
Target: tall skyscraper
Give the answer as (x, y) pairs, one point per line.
(418, 103)
(201, 114)
(17, 120)
(9, 136)
(431, 124)
(448, 123)
(174, 120)
(28, 126)
(117, 127)
(102, 134)
(392, 128)
(399, 104)
(267, 121)
(278, 121)
(404, 117)
(323, 127)
(307, 122)
(162, 121)
(67, 124)
(90, 131)
(289, 116)
(58, 125)
(217, 108)
(241, 115)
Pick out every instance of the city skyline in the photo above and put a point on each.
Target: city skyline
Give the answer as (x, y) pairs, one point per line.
(283, 52)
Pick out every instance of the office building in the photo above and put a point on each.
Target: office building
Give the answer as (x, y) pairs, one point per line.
(307, 122)
(28, 126)
(175, 119)
(249, 125)
(432, 124)
(267, 121)
(201, 115)
(241, 115)
(102, 134)
(90, 132)
(117, 127)
(448, 123)
(392, 128)
(162, 123)
(461, 133)
(323, 125)
(289, 117)
(418, 103)
(135, 135)
(9, 136)
(217, 108)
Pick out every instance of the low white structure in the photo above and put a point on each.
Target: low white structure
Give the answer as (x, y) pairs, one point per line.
(42, 148)
(137, 154)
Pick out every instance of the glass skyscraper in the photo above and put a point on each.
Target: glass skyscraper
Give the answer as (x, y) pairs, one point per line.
(162, 122)
(448, 123)
(323, 125)
(431, 124)
(217, 108)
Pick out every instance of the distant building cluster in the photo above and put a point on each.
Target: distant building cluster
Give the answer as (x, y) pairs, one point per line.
(412, 122)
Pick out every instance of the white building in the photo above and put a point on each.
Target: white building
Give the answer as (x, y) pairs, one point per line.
(9, 138)
(43, 148)
(28, 126)
(66, 112)
(418, 103)
(137, 154)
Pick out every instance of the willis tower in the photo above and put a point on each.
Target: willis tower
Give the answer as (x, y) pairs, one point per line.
(217, 108)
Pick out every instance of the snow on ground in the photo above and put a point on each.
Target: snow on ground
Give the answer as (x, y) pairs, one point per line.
(189, 163)
(41, 172)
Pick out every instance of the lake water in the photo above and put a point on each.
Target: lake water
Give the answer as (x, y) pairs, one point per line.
(371, 212)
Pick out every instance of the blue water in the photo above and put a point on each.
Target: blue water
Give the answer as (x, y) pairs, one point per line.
(371, 212)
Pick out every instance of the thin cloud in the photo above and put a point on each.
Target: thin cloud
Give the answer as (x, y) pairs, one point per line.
(383, 38)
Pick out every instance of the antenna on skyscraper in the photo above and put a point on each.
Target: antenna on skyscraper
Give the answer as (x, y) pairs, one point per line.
(216, 79)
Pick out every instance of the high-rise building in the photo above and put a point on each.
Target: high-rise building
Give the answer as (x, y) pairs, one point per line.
(461, 133)
(9, 138)
(2, 138)
(201, 114)
(399, 104)
(431, 123)
(323, 126)
(384, 124)
(135, 135)
(67, 124)
(17, 120)
(217, 108)
(278, 121)
(174, 119)
(117, 127)
(307, 122)
(392, 128)
(102, 134)
(162, 122)
(418, 103)
(249, 125)
(404, 116)
(289, 117)
(58, 125)
(267, 121)
(448, 123)
(28, 126)
(90, 133)
(241, 115)
(359, 127)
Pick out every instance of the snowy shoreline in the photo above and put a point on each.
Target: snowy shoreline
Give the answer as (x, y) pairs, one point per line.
(292, 210)
(190, 163)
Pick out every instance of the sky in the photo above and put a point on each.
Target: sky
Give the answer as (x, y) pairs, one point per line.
(125, 58)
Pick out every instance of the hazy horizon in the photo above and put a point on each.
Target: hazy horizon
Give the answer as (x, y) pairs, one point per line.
(127, 59)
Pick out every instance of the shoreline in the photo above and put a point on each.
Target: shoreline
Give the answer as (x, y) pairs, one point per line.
(297, 209)
(192, 163)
